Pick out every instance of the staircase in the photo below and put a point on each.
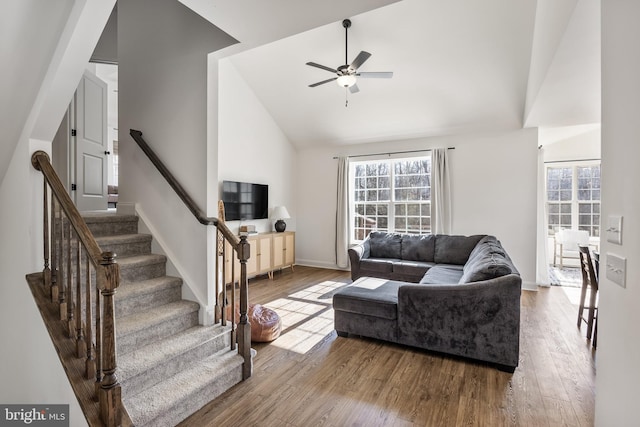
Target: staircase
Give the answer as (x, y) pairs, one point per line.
(169, 366)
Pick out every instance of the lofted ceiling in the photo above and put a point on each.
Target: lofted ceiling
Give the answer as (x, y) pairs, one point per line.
(459, 66)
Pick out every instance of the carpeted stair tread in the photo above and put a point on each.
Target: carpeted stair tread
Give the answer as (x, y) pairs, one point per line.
(172, 400)
(103, 224)
(147, 293)
(122, 238)
(153, 363)
(149, 286)
(157, 315)
(140, 260)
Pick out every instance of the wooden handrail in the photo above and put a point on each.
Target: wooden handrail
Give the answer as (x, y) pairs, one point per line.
(239, 245)
(180, 191)
(40, 161)
(58, 237)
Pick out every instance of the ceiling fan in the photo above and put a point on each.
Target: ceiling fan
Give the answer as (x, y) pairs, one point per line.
(346, 74)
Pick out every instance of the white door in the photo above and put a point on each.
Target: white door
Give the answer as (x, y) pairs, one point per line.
(91, 146)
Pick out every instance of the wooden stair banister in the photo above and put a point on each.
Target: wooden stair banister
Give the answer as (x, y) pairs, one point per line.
(240, 245)
(66, 235)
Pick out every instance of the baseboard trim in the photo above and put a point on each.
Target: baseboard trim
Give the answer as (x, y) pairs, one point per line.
(319, 264)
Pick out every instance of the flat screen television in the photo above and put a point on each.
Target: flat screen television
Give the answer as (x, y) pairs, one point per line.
(244, 200)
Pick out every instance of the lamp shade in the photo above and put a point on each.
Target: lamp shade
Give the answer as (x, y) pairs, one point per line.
(280, 212)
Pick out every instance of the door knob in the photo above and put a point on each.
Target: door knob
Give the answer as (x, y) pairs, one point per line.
(107, 153)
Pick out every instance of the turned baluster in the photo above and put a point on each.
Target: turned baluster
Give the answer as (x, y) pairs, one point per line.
(46, 273)
(70, 322)
(81, 349)
(98, 340)
(110, 391)
(55, 224)
(90, 364)
(224, 303)
(64, 249)
(219, 253)
(244, 327)
(233, 309)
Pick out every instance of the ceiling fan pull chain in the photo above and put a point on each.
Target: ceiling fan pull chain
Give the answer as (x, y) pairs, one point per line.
(346, 97)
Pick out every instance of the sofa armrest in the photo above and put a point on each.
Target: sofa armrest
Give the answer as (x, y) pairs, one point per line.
(356, 254)
(479, 320)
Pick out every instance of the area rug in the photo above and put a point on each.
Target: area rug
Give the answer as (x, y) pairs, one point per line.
(566, 276)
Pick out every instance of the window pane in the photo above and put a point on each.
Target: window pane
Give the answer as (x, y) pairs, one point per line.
(403, 182)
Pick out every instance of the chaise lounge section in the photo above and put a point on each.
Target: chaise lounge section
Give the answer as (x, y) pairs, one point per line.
(458, 295)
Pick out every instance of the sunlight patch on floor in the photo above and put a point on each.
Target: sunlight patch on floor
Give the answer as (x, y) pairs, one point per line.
(307, 316)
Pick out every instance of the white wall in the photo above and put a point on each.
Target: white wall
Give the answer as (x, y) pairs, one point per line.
(163, 77)
(585, 146)
(493, 183)
(252, 148)
(30, 367)
(618, 371)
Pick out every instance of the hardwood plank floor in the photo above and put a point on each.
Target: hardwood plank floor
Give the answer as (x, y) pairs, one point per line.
(310, 377)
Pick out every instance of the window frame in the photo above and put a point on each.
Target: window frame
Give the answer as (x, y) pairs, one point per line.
(575, 201)
(390, 203)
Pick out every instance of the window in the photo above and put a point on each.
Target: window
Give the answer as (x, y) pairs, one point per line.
(573, 198)
(391, 195)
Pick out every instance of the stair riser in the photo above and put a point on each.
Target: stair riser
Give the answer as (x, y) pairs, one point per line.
(128, 273)
(113, 228)
(135, 273)
(138, 339)
(124, 307)
(128, 248)
(135, 385)
(194, 402)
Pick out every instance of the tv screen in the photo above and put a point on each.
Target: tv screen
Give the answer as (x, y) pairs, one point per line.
(244, 200)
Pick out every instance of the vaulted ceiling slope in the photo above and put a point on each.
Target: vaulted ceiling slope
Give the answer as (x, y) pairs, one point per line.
(459, 66)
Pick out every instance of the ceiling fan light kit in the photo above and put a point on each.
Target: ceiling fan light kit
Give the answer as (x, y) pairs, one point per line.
(346, 75)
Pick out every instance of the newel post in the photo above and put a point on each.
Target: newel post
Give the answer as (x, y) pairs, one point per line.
(244, 327)
(108, 275)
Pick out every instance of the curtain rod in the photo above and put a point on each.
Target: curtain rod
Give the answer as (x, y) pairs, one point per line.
(394, 152)
(572, 161)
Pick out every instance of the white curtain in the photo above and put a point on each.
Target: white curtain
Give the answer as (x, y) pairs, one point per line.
(440, 192)
(342, 214)
(542, 260)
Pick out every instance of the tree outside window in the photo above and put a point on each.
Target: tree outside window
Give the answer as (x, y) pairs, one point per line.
(391, 195)
(573, 198)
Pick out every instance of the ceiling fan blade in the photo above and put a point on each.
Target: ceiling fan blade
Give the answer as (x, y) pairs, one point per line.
(362, 56)
(323, 82)
(354, 88)
(313, 64)
(376, 75)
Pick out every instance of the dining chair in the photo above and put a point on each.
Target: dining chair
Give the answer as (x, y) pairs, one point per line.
(590, 286)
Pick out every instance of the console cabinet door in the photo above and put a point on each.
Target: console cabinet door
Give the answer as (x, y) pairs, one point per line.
(262, 254)
(232, 264)
(284, 250)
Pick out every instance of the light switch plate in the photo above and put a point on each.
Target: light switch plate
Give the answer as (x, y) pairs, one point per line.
(616, 269)
(614, 229)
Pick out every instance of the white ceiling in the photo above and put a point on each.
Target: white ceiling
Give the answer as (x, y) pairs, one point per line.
(459, 66)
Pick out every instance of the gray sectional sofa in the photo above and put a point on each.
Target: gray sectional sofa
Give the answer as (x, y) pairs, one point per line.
(458, 295)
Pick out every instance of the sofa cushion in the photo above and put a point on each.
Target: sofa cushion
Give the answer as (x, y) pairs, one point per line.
(454, 249)
(488, 260)
(442, 274)
(412, 268)
(385, 245)
(370, 296)
(377, 265)
(418, 247)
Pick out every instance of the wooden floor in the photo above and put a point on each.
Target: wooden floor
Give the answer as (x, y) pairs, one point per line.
(310, 377)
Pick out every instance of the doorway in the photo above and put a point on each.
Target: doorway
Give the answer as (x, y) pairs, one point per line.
(85, 148)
